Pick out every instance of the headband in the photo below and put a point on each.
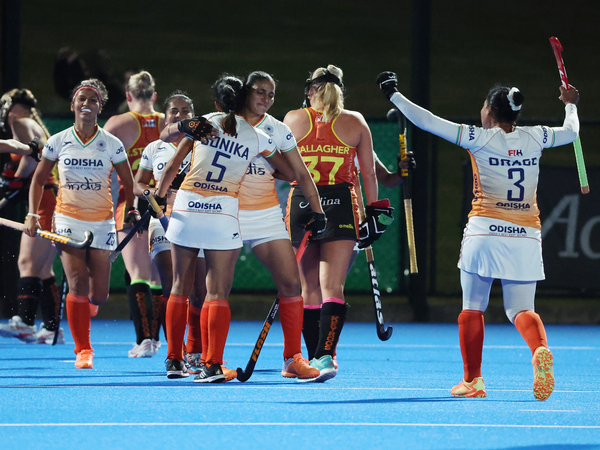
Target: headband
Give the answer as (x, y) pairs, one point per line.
(327, 77)
(88, 87)
(511, 100)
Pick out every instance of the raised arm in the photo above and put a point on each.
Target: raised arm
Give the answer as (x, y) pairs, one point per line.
(570, 128)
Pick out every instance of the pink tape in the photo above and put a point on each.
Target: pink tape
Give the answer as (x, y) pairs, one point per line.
(334, 300)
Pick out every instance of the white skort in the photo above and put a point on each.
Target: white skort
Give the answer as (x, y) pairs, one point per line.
(499, 249)
(158, 242)
(263, 225)
(104, 231)
(209, 223)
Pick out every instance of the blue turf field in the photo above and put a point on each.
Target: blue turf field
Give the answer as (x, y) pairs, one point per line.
(392, 394)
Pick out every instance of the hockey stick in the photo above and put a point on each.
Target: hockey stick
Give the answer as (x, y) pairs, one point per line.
(63, 298)
(117, 251)
(383, 333)
(244, 375)
(87, 240)
(395, 115)
(583, 181)
(164, 220)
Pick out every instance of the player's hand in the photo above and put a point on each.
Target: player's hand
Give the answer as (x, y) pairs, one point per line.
(34, 144)
(176, 183)
(162, 204)
(9, 184)
(132, 217)
(407, 163)
(379, 215)
(197, 127)
(31, 224)
(570, 96)
(388, 83)
(316, 225)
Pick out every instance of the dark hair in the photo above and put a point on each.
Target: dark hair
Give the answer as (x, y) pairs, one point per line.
(96, 84)
(256, 76)
(498, 100)
(179, 94)
(228, 92)
(18, 97)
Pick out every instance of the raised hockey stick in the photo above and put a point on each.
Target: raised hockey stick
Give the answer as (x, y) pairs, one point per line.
(583, 181)
(87, 240)
(244, 375)
(164, 220)
(394, 115)
(383, 333)
(117, 251)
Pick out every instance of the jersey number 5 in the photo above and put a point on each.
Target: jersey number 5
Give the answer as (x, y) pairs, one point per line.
(219, 177)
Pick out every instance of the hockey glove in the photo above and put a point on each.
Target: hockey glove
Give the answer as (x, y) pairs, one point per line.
(388, 83)
(197, 127)
(34, 144)
(316, 225)
(132, 217)
(176, 184)
(162, 204)
(9, 184)
(407, 163)
(378, 216)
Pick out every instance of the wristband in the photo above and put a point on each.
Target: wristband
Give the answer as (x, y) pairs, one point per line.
(37, 216)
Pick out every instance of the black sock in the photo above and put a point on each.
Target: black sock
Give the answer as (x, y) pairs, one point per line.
(333, 316)
(50, 301)
(156, 305)
(310, 330)
(29, 290)
(140, 309)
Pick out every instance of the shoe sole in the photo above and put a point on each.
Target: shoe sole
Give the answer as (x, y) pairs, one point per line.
(27, 338)
(543, 374)
(84, 366)
(171, 374)
(325, 375)
(477, 394)
(213, 379)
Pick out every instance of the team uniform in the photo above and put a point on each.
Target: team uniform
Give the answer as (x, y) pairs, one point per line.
(260, 215)
(148, 131)
(331, 163)
(84, 197)
(155, 157)
(205, 213)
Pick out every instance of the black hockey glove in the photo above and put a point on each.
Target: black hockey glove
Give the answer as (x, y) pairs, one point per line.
(197, 127)
(176, 183)
(162, 204)
(316, 225)
(388, 83)
(378, 216)
(34, 144)
(132, 217)
(408, 163)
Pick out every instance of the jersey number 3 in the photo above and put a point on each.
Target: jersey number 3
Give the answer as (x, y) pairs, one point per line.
(316, 174)
(518, 174)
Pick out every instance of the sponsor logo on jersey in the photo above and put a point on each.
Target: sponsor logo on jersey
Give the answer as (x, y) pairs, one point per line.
(227, 145)
(63, 231)
(289, 136)
(149, 123)
(346, 225)
(471, 132)
(515, 153)
(83, 162)
(510, 162)
(235, 236)
(339, 149)
(102, 146)
(204, 207)
(512, 205)
(253, 169)
(506, 230)
(545, 135)
(210, 187)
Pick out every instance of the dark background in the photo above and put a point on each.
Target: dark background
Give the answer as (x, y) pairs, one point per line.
(473, 45)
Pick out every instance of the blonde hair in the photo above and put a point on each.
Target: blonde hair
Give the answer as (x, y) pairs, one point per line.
(26, 98)
(141, 85)
(327, 93)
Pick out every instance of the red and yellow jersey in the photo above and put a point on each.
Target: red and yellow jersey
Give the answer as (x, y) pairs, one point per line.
(329, 159)
(258, 185)
(218, 167)
(84, 173)
(148, 131)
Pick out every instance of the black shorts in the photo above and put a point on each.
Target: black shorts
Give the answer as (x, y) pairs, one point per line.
(339, 204)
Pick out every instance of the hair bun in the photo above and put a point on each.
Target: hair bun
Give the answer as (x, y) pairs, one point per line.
(515, 99)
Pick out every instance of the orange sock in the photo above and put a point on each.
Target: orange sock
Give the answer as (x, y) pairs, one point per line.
(219, 319)
(176, 317)
(78, 313)
(532, 329)
(291, 314)
(470, 333)
(194, 337)
(204, 330)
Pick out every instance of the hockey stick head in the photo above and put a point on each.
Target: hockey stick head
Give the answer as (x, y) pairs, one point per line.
(243, 376)
(557, 48)
(384, 334)
(393, 115)
(88, 237)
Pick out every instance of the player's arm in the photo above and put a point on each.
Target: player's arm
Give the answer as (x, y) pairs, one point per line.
(36, 189)
(171, 169)
(303, 177)
(364, 152)
(570, 128)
